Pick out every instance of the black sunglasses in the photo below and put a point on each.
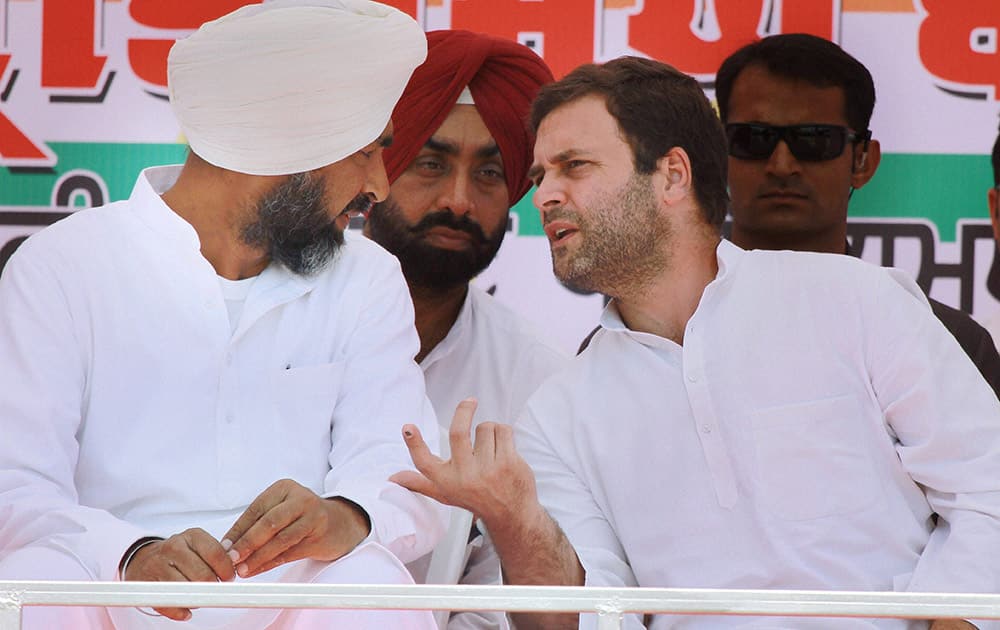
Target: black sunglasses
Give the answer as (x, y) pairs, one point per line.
(808, 143)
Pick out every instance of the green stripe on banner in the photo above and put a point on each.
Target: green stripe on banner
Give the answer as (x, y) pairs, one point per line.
(528, 221)
(117, 163)
(942, 188)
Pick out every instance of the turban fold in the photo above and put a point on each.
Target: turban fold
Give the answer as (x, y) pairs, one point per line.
(291, 85)
(504, 78)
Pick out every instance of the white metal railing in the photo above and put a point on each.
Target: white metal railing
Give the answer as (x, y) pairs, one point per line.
(609, 603)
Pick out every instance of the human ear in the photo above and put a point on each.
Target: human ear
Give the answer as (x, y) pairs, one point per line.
(866, 158)
(674, 170)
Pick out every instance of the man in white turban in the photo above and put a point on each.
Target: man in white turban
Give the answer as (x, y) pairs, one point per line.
(206, 382)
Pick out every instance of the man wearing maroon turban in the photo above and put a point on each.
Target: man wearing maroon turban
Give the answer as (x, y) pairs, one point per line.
(457, 164)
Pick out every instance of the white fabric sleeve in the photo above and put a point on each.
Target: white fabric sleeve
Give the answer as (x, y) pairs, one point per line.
(385, 391)
(42, 388)
(566, 497)
(947, 422)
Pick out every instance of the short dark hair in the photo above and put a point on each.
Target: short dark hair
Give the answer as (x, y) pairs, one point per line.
(657, 107)
(807, 58)
(995, 159)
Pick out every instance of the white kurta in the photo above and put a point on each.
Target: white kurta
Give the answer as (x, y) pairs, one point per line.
(493, 354)
(129, 407)
(814, 419)
(490, 353)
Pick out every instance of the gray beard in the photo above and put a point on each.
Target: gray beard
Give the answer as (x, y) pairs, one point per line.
(292, 224)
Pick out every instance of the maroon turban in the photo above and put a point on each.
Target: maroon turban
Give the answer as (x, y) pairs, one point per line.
(504, 78)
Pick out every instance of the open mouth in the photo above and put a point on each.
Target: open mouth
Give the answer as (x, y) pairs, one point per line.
(358, 208)
(559, 233)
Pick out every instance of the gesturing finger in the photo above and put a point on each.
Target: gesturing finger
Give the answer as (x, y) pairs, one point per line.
(416, 482)
(459, 432)
(425, 461)
(485, 448)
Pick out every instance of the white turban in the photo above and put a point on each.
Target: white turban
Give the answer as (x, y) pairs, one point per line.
(292, 85)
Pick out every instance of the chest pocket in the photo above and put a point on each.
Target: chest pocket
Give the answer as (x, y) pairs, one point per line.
(813, 460)
(305, 400)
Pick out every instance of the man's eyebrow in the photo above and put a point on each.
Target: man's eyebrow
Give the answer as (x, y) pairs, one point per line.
(451, 148)
(534, 172)
(488, 151)
(567, 155)
(441, 146)
(564, 156)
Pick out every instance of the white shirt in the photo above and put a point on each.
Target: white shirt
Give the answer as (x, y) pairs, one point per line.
(493, 354)
(814, 419)
(129, 408)
(490, 353)
(234, 293)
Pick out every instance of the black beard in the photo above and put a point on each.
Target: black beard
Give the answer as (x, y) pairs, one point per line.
(294, 227)
(424, 265)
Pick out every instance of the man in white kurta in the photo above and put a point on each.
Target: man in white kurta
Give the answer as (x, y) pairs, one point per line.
(169, 361)
(456, 165)
(797, 439)
(743, 419)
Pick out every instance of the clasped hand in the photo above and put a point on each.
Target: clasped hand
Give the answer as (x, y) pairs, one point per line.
(285, 523)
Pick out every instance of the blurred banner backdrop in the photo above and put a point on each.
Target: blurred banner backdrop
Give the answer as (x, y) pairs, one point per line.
(83, 109)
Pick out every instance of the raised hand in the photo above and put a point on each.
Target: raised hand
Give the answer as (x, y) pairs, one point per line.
(289, 522)
(489, 478)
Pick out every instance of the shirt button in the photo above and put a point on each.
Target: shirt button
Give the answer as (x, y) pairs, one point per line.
(229, 418)
(229, 359)
(706, 428)
(693, 378)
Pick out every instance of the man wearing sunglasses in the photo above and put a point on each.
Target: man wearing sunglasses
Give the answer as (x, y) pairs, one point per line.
(796, 110)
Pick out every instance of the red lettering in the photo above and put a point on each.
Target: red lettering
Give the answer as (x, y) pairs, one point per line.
(670, 30)
(561, 31)
(16, 149)
(408, 7)
(68, 59)
(148, 57)
(815, 17)
(180, 15)
(957, 42)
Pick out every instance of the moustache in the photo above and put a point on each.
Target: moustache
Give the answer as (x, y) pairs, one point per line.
(444, 218)
(560, 213)
(361, 204)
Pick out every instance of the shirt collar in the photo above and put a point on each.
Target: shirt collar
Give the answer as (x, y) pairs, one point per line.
(455, 335)
(149, 207)
(728, 256)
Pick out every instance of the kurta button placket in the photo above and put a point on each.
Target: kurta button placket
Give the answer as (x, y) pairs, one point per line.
(700, 399)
